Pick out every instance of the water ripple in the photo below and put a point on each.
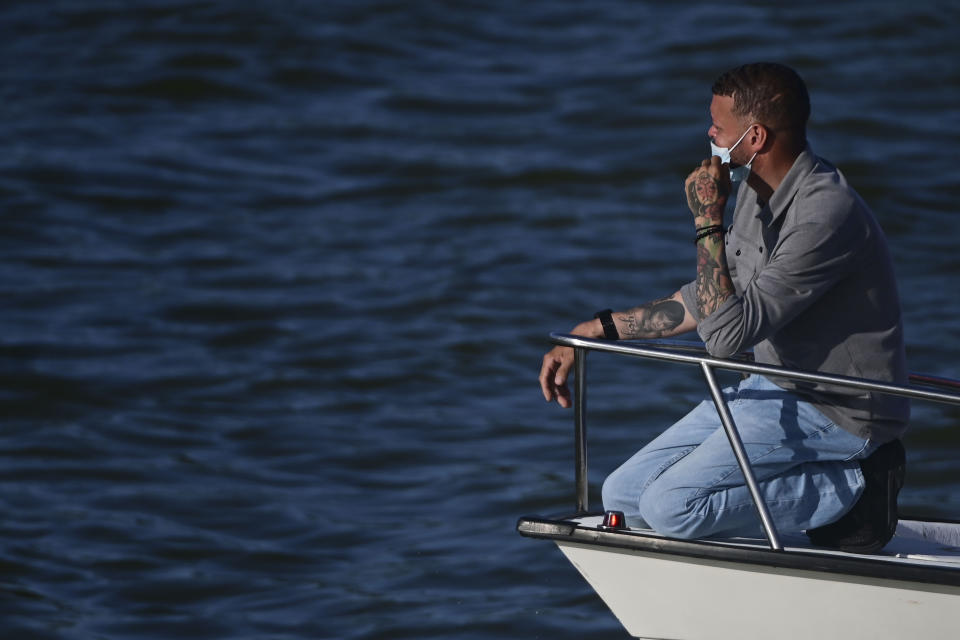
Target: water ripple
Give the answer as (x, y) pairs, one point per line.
(278, 281)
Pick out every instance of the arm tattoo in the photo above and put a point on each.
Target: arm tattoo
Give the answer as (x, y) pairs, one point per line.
(706, 198)
(653, 320)
(713, 278)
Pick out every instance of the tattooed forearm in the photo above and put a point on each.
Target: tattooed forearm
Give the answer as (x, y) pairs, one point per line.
(707, 197)
(653, 320)
(713, 278)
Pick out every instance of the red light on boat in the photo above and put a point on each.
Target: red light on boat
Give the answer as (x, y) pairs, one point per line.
(614, 520)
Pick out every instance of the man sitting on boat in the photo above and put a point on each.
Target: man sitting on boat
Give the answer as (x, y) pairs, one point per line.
(801, 274)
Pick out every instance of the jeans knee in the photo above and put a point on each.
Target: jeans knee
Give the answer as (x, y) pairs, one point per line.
(671, 513)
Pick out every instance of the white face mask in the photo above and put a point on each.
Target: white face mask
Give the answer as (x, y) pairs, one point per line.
(738, 172)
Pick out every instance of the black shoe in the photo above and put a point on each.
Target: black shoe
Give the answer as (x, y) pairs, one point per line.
(870, 524)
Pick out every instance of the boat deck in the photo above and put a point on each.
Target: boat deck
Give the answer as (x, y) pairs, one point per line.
(916, 542)
(922, 551)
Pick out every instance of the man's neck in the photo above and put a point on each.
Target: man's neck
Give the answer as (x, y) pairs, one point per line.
(770, 172)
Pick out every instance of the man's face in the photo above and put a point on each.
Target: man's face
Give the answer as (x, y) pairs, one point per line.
(726, 128)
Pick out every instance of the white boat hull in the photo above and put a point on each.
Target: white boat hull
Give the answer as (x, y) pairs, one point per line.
(679, 598)
(740, 589)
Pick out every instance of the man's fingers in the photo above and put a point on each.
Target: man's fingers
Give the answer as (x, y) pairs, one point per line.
(563, 397)
(553, 377)
(547, 373)
(561, 376)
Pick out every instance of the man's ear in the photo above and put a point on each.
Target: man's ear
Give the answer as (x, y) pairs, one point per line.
(759, 137)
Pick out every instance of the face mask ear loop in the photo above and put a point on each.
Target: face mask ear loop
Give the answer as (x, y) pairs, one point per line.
(744, 135)
(738, 142)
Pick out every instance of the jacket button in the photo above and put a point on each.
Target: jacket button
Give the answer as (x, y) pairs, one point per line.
(738, 251)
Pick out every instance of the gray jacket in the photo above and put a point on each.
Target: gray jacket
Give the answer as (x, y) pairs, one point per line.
(815, 290)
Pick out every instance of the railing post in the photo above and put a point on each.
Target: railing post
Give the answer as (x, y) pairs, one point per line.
(741, 455)
(580, 428)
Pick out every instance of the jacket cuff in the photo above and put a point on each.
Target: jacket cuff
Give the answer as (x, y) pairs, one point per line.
(719, 330)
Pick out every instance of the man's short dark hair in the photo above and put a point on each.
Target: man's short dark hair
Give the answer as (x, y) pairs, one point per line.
(772, 94)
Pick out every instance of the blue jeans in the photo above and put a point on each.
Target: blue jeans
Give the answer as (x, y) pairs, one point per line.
(686, 483)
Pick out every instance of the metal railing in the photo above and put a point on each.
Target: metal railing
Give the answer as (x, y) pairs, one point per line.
(690, 353)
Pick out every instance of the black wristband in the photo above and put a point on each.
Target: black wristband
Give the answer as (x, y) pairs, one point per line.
(703, 232)
(609, 328)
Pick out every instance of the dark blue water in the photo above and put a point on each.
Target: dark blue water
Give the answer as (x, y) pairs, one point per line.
(277, 278)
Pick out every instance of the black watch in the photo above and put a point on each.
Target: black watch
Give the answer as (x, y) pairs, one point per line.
(609, 328)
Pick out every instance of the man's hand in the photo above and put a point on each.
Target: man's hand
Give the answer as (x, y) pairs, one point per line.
(708, 187)
(553, 375)
(558, 362)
